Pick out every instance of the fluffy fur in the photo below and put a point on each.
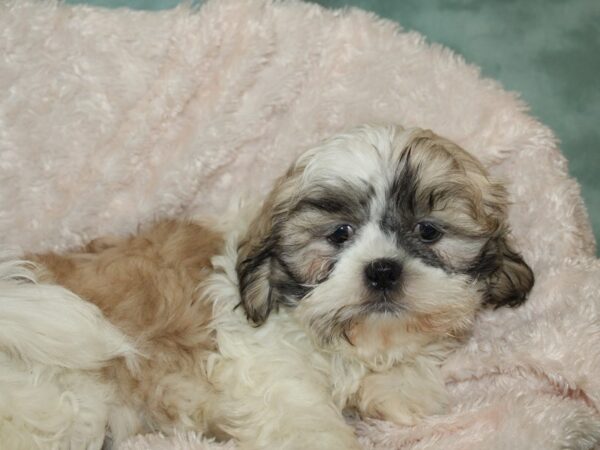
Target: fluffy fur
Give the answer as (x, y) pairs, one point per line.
(53, 345)
(333, 327)
(176, 111)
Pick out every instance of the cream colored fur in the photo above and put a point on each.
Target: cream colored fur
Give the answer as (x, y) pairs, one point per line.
(52, 344)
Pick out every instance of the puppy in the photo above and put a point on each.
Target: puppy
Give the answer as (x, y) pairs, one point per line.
(362, 269)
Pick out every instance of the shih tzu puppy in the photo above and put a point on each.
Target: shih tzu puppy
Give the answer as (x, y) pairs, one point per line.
(346, 289)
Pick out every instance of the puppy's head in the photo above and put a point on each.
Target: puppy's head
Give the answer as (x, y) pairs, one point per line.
(382, 225)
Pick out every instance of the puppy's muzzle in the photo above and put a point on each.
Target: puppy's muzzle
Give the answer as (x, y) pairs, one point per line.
(383, 274)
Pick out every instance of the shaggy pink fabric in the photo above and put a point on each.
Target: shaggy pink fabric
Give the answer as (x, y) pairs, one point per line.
(109, 118)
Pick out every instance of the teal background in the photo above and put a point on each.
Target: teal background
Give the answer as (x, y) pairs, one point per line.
(547, 50)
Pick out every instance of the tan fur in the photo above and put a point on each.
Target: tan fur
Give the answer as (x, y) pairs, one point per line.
(477, 203)
(147, 285)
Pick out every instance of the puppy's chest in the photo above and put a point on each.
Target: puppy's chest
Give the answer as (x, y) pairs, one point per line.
(279, 350)
(380, 343)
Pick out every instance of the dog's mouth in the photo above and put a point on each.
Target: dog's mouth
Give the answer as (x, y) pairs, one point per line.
(383, 304)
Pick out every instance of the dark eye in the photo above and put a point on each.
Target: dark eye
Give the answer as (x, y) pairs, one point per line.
(428, 232)
(341, 234)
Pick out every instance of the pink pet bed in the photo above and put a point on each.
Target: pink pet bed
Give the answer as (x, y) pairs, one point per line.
(109, 118)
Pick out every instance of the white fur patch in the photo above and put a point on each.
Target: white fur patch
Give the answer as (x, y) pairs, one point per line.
(51, 345)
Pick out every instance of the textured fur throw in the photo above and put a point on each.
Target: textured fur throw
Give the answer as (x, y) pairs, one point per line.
(109, 119)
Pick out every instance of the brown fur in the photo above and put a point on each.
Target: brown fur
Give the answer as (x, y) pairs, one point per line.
(147, 285)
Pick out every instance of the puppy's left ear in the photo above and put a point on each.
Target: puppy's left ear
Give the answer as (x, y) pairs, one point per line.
(511, 279)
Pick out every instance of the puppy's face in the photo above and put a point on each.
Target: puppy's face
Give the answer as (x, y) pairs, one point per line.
(382, 228)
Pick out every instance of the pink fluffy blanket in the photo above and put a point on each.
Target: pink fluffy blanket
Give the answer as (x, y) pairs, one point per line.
(112, 118)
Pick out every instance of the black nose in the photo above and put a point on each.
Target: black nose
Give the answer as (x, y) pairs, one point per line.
(383, 273)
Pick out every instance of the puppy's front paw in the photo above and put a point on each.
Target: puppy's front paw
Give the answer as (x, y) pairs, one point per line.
(404, 411)
(402, 399)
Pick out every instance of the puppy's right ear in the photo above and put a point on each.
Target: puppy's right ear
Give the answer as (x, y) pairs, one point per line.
(257, 264)
(256, 254)
(254, 270)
